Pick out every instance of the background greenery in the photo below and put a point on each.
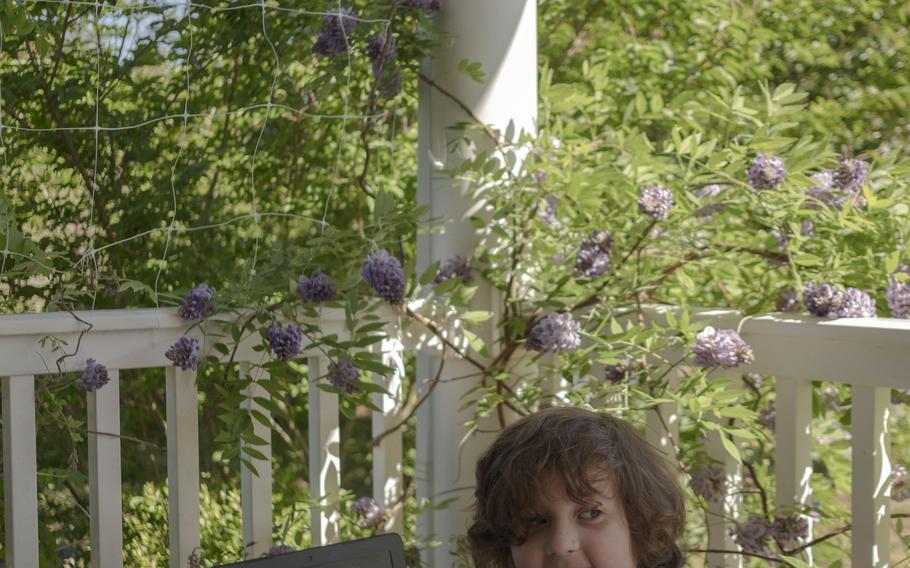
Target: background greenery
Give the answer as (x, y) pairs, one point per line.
(632, 93)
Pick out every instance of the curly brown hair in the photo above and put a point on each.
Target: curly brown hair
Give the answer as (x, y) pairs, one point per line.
(580, 447)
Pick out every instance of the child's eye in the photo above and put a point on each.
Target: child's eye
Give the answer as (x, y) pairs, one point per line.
(536, 521)
(591, 514)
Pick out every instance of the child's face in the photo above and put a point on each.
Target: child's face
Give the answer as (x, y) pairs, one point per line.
(565, 534)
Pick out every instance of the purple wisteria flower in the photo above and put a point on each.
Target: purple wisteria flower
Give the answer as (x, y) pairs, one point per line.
(594, 255)
(754, 379)
(343, 374)
(337, 25)
(93, 377)
(547, 213)
(712, 190)
(656, 202)
(185, 353)
(705, 193)
(381, 52)
(835, 188)
(806, 227)
(788, 301)
(458, 267)
(555, 333)
(279, 549)
(753, 535)
(318, 288)
(197, 303)
(822, 299)
(540, 176)
(721, 348)
(856, 304)
(768, 416)
(900, 483)
(851, 175)
(622, 371)
(831, 398)
(898, 297)
(370, 514)
(710, 483)
(789, 530)
(428, 5)
(385, 276)
(766, 172)
(284, 341)
(823, 188)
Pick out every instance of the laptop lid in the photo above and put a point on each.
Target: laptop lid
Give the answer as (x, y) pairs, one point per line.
(383, 551)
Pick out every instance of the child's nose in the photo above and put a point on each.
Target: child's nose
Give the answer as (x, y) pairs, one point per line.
(562, 541)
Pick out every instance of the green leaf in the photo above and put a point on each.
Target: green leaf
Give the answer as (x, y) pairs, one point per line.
(735, 412)
(730, 447)
(641, 104)
(806, 259)
(474, 70)
(429, 274)
(741, 433)
(475, 316)
(249, 465)
(253, 452)
(687, 283)
(657, 103)
(476, 343)
(795, 562)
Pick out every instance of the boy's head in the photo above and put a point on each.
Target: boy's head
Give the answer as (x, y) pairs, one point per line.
(571, 487)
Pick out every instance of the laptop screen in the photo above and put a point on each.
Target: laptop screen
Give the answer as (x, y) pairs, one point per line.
(383, 551)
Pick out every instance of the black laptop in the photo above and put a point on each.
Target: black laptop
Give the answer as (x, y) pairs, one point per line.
(384, 551)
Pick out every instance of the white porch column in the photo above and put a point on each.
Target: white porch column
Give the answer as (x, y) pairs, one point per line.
(501, 36)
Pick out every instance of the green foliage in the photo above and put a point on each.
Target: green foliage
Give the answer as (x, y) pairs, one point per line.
(208, 184)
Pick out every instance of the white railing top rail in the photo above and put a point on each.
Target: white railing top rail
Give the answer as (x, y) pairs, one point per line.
(858, 351)
(861, 351)
(124, 338)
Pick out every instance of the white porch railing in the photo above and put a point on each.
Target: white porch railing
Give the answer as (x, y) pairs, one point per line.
(136, 339)
(871, 355)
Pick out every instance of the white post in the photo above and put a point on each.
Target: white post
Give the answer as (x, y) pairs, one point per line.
(256, 487)
(871, 477)
(182, 466)
(388, 477)
(793, 452)
(719, 514)
(325, 456)
(105, 502)
(502, 37)
(20, 471)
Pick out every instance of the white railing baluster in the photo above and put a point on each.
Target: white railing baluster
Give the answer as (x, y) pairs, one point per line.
(105, 501)
(20, 471)
(719, 514)
(325, 455)
(182, 466)
(871, 477)
(388, 480)
(793, 446)
(256, 490)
